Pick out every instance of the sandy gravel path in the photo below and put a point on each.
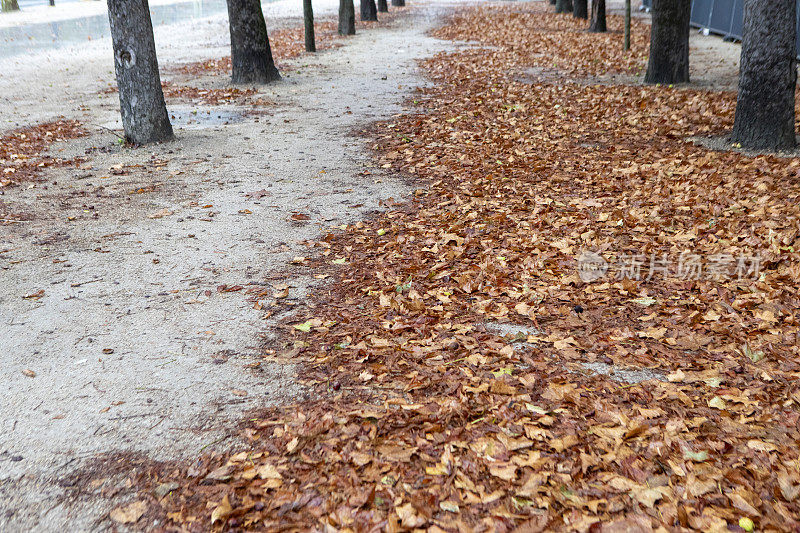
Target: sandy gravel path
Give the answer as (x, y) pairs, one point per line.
(135, 346)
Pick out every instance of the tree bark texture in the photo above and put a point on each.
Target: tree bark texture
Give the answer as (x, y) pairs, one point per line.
(141, 99)
(669, 42)
(563, 6)
(9, 5)
(369, 11)
(250, 51)
(598, 23)
(308, 20)
(580, 9)
(767, 76)
(399, 3)
(627, 30)
(347, 17)
(383, 7)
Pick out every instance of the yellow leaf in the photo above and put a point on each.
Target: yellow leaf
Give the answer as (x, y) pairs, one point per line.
(716, 402)
(646, 496)
(129, 513)
(438, 470)
(563, 344)
(507, 472)
(360, 458)
(449, 506)
(268, 471)
(222, 511)
(408, 516)
(305, 327)
(760, 446)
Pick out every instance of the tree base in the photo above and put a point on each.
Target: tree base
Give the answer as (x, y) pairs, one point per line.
(667, 77)
(763, 137)
(765, 105)
(254, 69)
(728, 144)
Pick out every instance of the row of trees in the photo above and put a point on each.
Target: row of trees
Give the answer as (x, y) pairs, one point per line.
(765, 111)
(142, 106)
(580, 9)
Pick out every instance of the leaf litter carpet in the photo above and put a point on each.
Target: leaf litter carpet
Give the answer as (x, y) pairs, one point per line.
(424, 415)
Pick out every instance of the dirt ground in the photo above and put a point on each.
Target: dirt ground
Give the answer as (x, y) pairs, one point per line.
(159, 264)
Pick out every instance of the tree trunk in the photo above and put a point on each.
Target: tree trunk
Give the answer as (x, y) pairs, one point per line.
(767, 77)
(144, 113)
(669, 42)
(250, 52)
(580, 9)
(308, 19)
(9, 5)
(627, 30)
(369, 11)
(563, 6)
(598, 24)
(383, 7)
(347, 17)
(552, 2)
(399, 3)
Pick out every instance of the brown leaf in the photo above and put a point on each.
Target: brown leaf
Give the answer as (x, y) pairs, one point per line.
(222, 511)
(128, 514)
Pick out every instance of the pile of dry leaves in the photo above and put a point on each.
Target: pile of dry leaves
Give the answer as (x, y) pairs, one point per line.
(286, 43)
(228, 95)
(207, 96)
(23, 152)
(618, 404)
(289, 43)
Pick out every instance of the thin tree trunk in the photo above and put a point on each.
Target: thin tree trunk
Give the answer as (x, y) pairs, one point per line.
(9, 5)
(308, 19)
(563, 6)
(767, 77)
(669, 42)
(598, 23)
(627, 31)
(580, 9)
(369, 11)
(250, 52)
(398, 3)
(347, 17)
(144, 113)
(383, 7)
